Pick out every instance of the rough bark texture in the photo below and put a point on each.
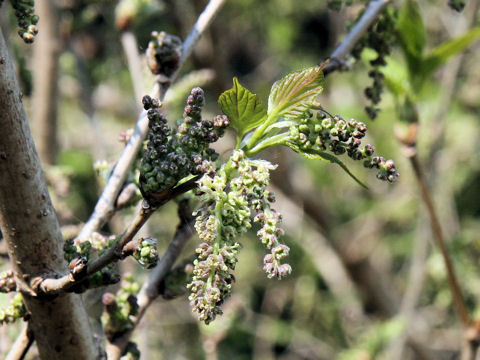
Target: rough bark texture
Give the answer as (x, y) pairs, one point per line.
(46, 52)
(30, 227)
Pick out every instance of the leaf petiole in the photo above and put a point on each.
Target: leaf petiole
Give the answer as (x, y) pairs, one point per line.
(279, 139)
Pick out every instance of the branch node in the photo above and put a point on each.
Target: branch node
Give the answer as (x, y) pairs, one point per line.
(78, 268)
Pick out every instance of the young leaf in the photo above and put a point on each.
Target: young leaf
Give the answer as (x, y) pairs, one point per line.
(412, 39)
(243, 108)
(411, 29)
(396, 77)
(321, 155)
(439, 56)
(292, 95)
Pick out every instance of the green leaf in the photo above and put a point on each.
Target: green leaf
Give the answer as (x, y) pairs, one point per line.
(321, 155)
(243, 108)
(411, 29)
(412, 39)
(292, 95)
(396, 77)
(439, 56)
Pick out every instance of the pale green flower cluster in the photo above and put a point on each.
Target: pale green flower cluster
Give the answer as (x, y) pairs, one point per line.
(231, 196)
(16, 310)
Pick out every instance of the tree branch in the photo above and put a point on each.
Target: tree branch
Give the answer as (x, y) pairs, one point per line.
(150, 290)
(22, 344)
(119, 250)
(410, 147)
(185, 231)
(458, 298)
(105, 207)
(204, 20)
(31, 230)
(130, 48)
(373, 10)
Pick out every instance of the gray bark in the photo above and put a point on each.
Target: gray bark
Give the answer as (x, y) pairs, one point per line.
(30, 227)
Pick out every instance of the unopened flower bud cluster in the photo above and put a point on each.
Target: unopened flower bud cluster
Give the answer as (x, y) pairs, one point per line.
(26, 18)
(16, 310)
(173, 154)
(81, 253)
(120, 309)
(379, 37)
(146, 254)
(231, 196)
(163, 53)
(319, 132)
(7, 282)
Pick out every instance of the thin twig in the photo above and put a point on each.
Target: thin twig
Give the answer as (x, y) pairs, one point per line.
(413, 291)
(118, 251)
(458, 298)
(185, 230)
(105, 207)
(22, 344)
(130, 48)
(202, 23)
(150, 290)
(53, 286)
(373, 10)
(409, 140)
(449, 85)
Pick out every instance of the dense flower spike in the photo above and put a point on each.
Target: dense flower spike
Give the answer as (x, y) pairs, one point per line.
(380, 37)
(163, 53)
(231, 196)
(318, 131)
(173, 154)
(27, 20)
(269, 234)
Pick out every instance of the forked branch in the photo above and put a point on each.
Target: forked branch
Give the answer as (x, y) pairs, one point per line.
(105, 207)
